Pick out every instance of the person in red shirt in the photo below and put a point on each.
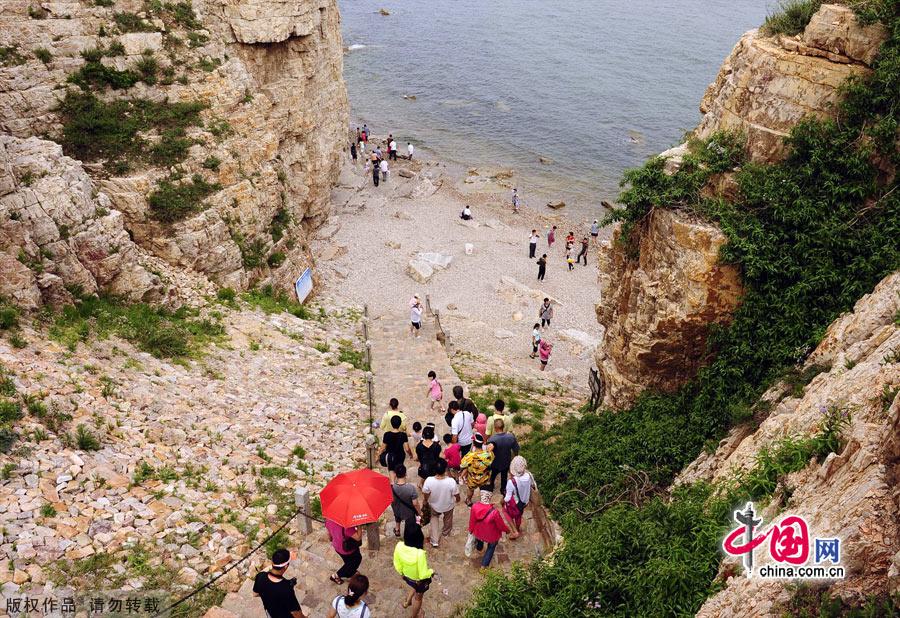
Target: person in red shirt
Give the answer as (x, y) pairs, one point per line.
(487, 525)
(453, 456)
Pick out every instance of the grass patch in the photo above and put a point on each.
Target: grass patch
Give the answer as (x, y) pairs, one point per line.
(95, 129)
(791, 17)
(43, 54)
(253, 252)
(280, 222)
(171, 202)
(130, 22)
(270, 300)
(10, 56)
(156, 330)
(276, 259)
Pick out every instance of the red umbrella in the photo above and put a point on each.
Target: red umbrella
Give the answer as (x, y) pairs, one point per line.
(357, 497)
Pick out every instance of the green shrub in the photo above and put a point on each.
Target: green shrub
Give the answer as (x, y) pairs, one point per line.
(115, 49)
(226, 295)
(183, 14)
(95, 129)
(43, 54)
(271, 300)
(147, 67)
(208, 64)
(104, 3)
(48, 511)
(172, 148)
(791, 17)
(196, 39)
(212, 163)
(85, 440)
(130, 22)
(252, 253)
(276, 259)
(348, 353)
(9, 315)
(9, 411)
(96, 75)
(280, 222)
(171, 202)
(36, 12)
(10, 56)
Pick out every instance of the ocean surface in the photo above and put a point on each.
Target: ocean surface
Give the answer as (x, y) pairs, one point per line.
(596, 86)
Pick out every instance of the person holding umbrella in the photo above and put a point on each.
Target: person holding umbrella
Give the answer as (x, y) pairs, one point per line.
(349, 500)
(411, 563)
(346, 542)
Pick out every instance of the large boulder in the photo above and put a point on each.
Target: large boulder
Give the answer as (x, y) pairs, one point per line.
(438, 261)
(420, 271)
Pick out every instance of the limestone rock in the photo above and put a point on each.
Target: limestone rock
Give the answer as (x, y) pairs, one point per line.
(580, 339)
(420, 271)
(405, 173)
(135, 43)
(767, 84)
(438, 261)
(501, 333)
(53, 219)
(657, 310)
(18, 283)
(556, 204)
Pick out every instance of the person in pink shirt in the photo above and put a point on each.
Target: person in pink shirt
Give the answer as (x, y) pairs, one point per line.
(452, 455)
(435, 391)
(481, 424)
(487, 525)
(346, 542)
(544, 350)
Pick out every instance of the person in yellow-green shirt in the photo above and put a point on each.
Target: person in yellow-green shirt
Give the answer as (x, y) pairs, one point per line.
(411, 563)
(394, 410)
(499, 407)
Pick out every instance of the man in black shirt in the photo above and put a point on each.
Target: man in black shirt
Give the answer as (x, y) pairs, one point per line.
(276, 592)
(504, 446)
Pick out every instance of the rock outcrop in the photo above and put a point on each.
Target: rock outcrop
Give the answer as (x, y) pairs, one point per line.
(657, 310)
(57, 232)
(853, 494)
(269, 138)
(768, 84)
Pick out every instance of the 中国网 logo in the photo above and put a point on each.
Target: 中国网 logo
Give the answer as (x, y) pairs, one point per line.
(796, 555)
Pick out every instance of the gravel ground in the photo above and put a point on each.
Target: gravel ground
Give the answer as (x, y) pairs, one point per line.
(375, 231)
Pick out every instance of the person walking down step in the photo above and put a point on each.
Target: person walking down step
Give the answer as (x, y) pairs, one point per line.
(277, 593)
(545, 313)
(428, 452)
(394, 448)
(504, 446)
(476, 467)
(486, 525)
(351, 605)
(532, 243)
(405, 504)
(535, 339)
(346, 543)
(542, 267)
(435, 391)
(442, 493)
(452, 456)
(518, 493)
(415, 319)
(411, 562)
(393, 410)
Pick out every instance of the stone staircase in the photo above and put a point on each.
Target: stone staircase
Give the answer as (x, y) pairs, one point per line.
(400, 364)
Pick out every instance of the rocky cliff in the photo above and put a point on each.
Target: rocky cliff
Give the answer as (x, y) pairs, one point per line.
(211, 134)
(657, 310)
(854, 494)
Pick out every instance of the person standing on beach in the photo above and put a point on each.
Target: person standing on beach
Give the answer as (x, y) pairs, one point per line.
(595, 230)
(410, 150)
(353, 151)
(542, 267)
(384, 170)
(545, 313)
(365, 133)
(570, 240)
(532, 243)
(515, 201)
(570, 260)
(583, 252)
(535, 339)
(551, 237)
(376, 173)
(415, 318)
(392, 148)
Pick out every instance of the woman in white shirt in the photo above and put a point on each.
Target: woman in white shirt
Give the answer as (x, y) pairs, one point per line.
(518, 491)
(351, 605)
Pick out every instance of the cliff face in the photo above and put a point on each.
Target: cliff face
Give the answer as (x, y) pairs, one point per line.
(657, 310)
(768, 84)
(853, 495)
(267, 78)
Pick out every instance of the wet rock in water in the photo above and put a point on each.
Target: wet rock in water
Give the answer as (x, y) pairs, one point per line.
(545, 160)
(410, 97)
(556, 205)
(420, 271)
(384, 12)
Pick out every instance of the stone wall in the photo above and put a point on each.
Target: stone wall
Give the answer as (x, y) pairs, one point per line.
(767, 84)
(270, 75)
(657, 310)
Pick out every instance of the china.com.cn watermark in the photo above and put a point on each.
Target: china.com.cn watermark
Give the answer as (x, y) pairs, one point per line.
(794, 553)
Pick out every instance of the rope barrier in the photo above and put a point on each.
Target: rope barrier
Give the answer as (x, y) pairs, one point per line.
(168, 609)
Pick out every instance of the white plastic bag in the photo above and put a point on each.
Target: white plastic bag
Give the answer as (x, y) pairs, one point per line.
(470, 545)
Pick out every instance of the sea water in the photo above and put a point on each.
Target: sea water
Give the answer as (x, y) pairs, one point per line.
(592, 86)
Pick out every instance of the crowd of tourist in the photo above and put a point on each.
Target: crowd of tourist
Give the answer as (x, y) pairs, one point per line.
(376, 161)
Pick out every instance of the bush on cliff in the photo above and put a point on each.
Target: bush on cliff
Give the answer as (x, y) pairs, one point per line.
(810, 235)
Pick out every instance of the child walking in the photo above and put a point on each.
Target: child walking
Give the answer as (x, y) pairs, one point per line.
(535, 339)
(435, 392)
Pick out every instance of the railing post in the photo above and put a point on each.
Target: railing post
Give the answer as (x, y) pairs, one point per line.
(301, 501)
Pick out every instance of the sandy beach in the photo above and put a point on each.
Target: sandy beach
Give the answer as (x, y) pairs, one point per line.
(489, 299)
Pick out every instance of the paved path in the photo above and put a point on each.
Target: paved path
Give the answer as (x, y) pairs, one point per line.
(401, 364)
